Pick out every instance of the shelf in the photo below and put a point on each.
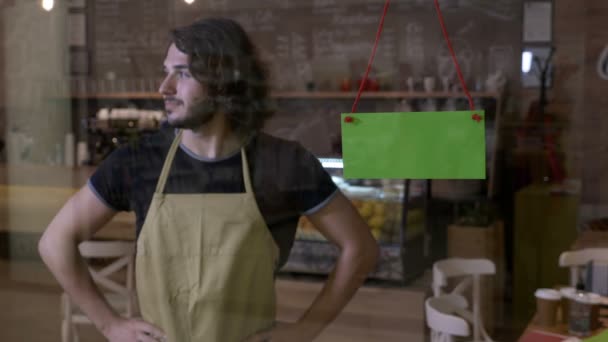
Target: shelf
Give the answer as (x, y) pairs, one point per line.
(120, 96)
(116, 130)
(378, 95)
(319, 257)
(307, 95)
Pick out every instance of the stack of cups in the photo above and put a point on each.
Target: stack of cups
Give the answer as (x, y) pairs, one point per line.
(547, 303)
(583, 317)
(579, 309)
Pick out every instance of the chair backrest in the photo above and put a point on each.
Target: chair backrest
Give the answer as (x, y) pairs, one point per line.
(578, 259)
(471, 270)
(458, 267)
(124, 254)
(440, 317)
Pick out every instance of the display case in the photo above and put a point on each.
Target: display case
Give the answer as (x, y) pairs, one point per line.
(395, 211)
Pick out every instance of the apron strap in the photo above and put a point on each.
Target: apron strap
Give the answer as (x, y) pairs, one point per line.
(246, 175)
(160, 186)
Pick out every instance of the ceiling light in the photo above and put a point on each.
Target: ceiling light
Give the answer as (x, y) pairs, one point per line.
(48, 5)
(526, 62)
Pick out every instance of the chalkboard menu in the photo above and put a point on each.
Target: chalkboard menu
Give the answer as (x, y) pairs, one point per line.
(320, 42)
(130, 37)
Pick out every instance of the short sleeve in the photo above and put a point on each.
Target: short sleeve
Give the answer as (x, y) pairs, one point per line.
(314, 186)
(111, 182)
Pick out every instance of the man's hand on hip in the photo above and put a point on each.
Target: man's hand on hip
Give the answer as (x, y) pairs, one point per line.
(129, 330)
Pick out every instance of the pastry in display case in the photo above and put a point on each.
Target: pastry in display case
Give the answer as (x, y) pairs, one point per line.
(383, 205)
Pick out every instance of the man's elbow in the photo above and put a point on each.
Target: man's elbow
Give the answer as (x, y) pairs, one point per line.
(366, 253)
(51, 243)
(44, 247)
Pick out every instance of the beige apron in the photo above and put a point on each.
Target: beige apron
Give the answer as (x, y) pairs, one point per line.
(205, 263)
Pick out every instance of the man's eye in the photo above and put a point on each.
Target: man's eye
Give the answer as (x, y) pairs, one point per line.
(183, 74)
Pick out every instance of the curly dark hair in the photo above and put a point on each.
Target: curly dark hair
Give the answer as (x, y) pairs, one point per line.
(223, 59)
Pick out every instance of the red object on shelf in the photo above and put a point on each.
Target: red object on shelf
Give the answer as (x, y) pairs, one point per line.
(346, 84)
(477, 117)
(349, 119)
(366, 84)
(373, 85)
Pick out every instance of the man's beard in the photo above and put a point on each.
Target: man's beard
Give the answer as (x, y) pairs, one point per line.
(199, 114)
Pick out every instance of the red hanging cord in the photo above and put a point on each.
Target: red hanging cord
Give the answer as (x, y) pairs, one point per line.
(371, 58)
(447, 39)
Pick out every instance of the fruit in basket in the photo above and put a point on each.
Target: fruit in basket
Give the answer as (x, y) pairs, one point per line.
(305, 224)
(306, 230)
(376, 222)
(379, 209)
(376, 233)
(301, 222)
(376, 214)
(366, 209)
(357, 203)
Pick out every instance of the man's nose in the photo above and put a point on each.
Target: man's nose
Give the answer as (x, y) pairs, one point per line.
(167, 86)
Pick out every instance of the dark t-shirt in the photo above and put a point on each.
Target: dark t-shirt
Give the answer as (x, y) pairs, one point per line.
(288, 181)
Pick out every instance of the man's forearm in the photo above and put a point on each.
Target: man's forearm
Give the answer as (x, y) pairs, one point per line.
(352, 268)
(69, 268)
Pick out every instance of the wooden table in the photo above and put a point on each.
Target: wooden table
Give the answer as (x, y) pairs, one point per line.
(31, 195)
(558, 333)
(534, 330)
(29, 209)
(45, 175)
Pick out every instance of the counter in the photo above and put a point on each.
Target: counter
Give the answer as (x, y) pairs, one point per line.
(31, 195)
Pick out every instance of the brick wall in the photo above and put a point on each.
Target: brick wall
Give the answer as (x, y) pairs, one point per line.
(594, 126)
(578, 97)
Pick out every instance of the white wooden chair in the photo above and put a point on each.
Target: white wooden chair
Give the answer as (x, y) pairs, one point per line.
(441, 317)
(471, 270)
(578, 260)
(117, 287)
